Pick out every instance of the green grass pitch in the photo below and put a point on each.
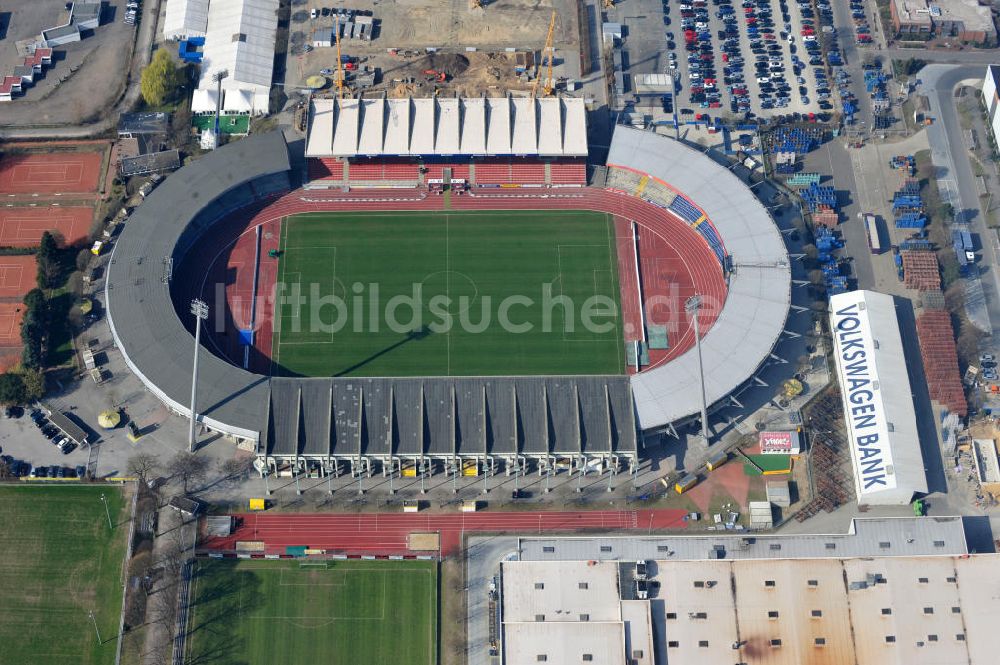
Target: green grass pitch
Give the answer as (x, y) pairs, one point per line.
(474, 262)
(257, 612)
(59, 561)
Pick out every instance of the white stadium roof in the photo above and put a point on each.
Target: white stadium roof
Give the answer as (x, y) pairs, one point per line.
(878, 403)
(550, 127)
(185, 18)
(240, 39)
(756, 308)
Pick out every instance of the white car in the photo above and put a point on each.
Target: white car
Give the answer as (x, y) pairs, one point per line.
(694, 76)
(314, 13)
(809, 38)
(763, 79)
(673, 64)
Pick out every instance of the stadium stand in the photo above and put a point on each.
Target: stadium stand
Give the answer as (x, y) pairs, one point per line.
(659, 194)
(326, 169)
(397, 170)
(568, 173)
(366, 171)
(623, 180)
(527, 172)
(684, 209)
(492, 172)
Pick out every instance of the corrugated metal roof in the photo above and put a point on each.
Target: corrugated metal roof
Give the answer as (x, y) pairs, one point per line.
(240, 38)
(187, 18)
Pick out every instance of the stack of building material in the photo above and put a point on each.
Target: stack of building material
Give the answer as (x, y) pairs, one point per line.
(825, 216)
(920, 270)
(940, 358)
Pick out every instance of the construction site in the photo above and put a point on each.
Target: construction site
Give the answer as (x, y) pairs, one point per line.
(483, 48)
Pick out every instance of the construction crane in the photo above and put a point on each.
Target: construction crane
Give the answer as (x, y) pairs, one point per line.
(547, 52)
(340, 65)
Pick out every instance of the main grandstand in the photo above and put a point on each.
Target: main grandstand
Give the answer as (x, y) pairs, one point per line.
(682, 226)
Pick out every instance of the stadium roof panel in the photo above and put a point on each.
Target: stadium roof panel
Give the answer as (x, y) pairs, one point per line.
(418, 126)
(759, 294)
(155, 343)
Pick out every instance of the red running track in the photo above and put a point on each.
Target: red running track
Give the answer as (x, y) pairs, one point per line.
(675, 261)
(386, 533)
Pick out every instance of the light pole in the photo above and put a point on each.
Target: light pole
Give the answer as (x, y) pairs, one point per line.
(217, 78)
(200, 311)
(107, 512)
(692, 306)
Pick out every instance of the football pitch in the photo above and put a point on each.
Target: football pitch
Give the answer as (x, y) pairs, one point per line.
(59, 561)
(448, 294)
(257, 612)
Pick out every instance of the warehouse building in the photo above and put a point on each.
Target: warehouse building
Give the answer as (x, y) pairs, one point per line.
(184, 19)
(896, 590)
(878, 404)
(991, 100)
(962, 20)
(240, 38)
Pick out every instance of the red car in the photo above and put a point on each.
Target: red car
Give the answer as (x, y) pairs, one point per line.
(808, 31)
(714, 105)
(725, 57)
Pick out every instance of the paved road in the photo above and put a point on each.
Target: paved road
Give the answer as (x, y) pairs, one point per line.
(955, 177)
(141, 54)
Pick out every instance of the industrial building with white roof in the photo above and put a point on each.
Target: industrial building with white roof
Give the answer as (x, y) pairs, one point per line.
(240, 39)
(878, 403)
(860, 605)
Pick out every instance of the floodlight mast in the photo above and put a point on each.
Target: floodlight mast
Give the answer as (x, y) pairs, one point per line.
(217, 78)
(200, 311)
(692, 306)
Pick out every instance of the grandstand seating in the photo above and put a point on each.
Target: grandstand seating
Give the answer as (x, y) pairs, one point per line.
(659, 194)
(527, 172)
(684, 209)
(436, 171)
(623, 180)
(366, 171)
(326, 169)
(492, 172)
(397, 170)
(568, 172)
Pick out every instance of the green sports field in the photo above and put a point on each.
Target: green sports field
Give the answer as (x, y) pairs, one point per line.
(257, 612)
(448, 294)
(59, 561)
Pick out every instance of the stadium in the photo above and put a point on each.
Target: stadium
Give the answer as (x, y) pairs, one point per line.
(472, 201)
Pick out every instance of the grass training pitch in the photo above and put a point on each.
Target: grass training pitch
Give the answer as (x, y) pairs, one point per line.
(487, 288)
(58, 562)
(256, 612)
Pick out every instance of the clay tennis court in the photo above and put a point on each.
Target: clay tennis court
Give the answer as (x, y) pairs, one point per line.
(11, 314)
(23, 227)
(50, 173)
(17, 276)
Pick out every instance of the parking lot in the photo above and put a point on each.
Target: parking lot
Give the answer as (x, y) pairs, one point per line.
(734, 57)
(39, 449)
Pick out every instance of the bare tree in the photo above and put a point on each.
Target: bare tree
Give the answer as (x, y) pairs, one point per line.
(236, 468)
(142, 466)
(190, 468)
